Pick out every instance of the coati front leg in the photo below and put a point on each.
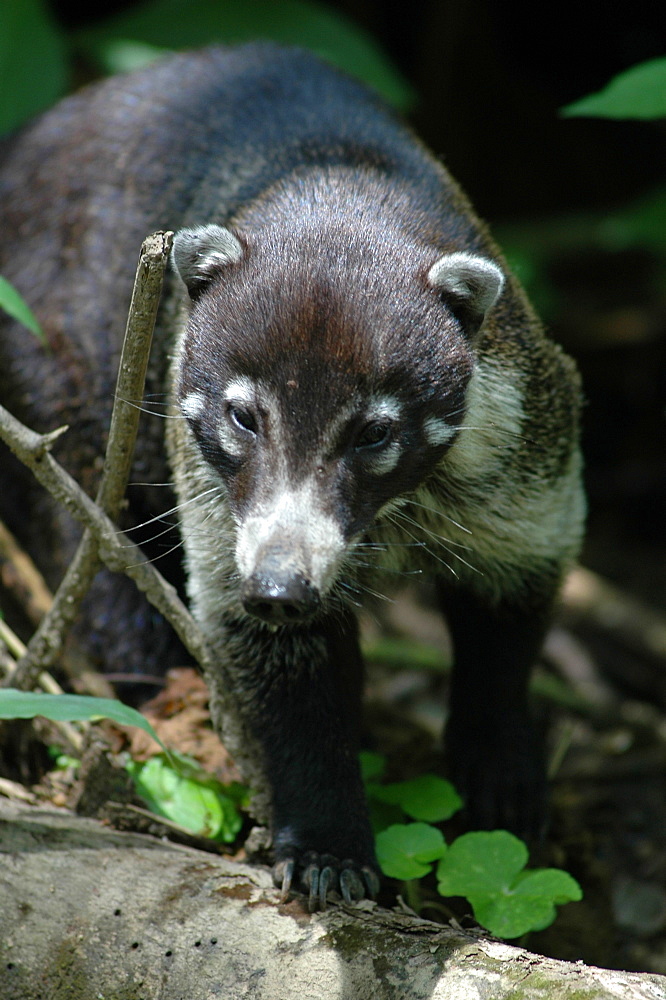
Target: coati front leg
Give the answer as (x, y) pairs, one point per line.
(494, 755)
(299, 690)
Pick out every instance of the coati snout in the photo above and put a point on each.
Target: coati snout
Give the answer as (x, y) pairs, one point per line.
(358, 389)
(279, 597)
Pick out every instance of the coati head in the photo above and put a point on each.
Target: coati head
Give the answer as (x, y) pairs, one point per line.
(322, 374)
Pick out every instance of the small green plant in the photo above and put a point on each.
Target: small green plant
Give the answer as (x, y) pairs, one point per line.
(172, 785)
(16, 704)
(176, 787)
(14, 304)
(639, 93)
(486, 868)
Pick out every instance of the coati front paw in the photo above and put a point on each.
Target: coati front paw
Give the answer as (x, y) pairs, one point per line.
(316, 873)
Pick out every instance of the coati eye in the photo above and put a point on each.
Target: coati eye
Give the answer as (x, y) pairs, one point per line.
(242, 419)
(376, 434)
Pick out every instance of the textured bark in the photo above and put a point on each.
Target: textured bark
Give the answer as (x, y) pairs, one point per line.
(89, 913)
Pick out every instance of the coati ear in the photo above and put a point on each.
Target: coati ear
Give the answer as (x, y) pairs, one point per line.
(200, 254)
(474, 283)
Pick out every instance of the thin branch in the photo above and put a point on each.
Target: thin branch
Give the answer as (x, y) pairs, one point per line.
(116, 549)
(48, 639)
(22, 579)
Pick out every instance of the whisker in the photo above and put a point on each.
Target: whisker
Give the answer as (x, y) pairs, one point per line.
(387, 569)
(432, 554)
(150, 484)
(144, 405)
(161, 555)
(439, 513)
(444, 542)
(440, 539)
(174, 510)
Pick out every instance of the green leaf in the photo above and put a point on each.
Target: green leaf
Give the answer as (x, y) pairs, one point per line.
(639, 92)
(481, 862)
(123, 56)
(195, 801)
(372, 764)
(33, 65)
(428, 797)
(16, 306)
(487, 868)
(407, 850)
(70, 708)
(529, 904)
(180, 24)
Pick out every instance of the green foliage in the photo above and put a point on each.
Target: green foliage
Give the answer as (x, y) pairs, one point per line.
(426, 798)
(488, 869)
(16, 306)
(171, 784)
(177, 24)
(485, 868)
(183, 793)
(639, 92)
(35, 53)
(407, 850)
(372, 764)
(70, 708)
(33, 61)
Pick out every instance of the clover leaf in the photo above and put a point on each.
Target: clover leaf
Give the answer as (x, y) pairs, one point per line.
(407, 850)
(487, 868)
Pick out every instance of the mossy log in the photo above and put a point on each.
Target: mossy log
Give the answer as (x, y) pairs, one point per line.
(89, 912)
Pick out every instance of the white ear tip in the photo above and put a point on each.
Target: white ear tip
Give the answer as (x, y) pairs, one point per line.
(475, 280)
(198, 254)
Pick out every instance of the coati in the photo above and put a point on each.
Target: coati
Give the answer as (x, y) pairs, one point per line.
(357, 385)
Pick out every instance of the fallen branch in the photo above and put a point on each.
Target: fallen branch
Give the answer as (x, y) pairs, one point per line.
(110, 914)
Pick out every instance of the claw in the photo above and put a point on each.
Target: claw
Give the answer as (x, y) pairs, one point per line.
(283, 875)
(326, 875)
(351, 886)
(311, 881)
(372, 883)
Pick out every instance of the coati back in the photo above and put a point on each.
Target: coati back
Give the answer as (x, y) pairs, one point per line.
(357, 384)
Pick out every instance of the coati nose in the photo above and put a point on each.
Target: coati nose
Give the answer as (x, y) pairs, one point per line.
(280, 602)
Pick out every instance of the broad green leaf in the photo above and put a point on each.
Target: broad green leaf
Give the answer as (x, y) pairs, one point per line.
(487, 868)
(201, 806)
(481, 862)
(70, 708)
(427, 798)
(553, 882)
(33, 67)
(180, 24)
(407, 850)
(639, 92)
(16, 306)
(529, 905)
